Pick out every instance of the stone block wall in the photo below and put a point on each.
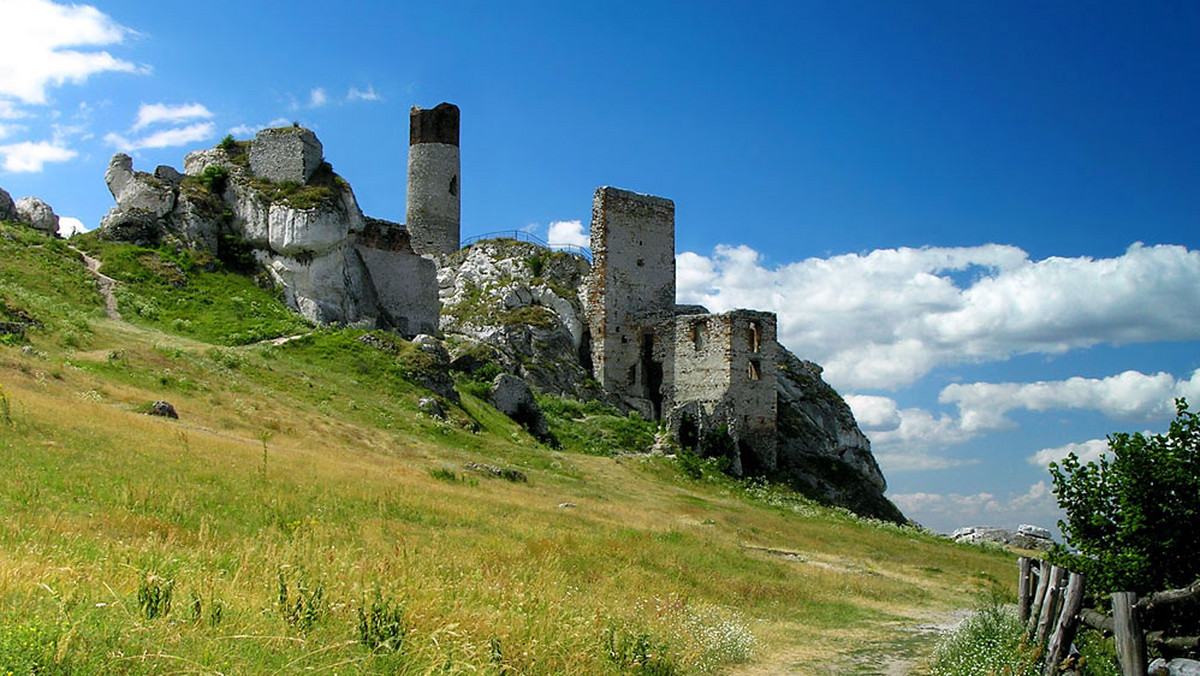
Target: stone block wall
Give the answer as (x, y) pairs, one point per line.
(631, 297)
(286, 154)
(433, 212)
(725, 375)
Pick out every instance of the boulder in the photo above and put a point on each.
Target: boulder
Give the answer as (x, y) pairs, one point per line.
(162, 409)
(513, 397)
(38, 215)
(8, 211)
(1032, 531)
(430, 407)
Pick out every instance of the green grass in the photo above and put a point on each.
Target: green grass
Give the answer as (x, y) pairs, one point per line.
(304, 515)
(190, 294)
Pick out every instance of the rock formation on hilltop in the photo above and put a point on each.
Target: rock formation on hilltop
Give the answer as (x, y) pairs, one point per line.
(276, 199)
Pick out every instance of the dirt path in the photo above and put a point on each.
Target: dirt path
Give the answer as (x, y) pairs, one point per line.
(904, 653)
(106, 283)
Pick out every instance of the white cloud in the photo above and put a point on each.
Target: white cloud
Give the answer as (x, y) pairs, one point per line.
(1127, 396)
(568, 233)
(874, 413)
(68, 226)
(29, 157)
(158, 113)
(163, 139)
(36, 53)
(1087, 451)
(355, 95)
(886, 318)
(946, 512)
(317, 98)
(7, 130)
(251, 130)
(917, 461)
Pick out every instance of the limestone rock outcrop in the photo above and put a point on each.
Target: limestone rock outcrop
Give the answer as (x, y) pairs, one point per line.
(277, 196)
(821, 451)
(517, 305)
(8, 210)
(38, 215)
(1026, 536)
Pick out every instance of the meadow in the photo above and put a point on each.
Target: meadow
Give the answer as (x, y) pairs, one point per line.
(303, 515)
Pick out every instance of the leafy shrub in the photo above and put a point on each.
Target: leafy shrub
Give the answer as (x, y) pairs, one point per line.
(443, 474)
(154, 596)
(214, 179)
(302, 605)
(381, 625)
(988, 642)
(228, 144)
(1133, 519)
(638, 653)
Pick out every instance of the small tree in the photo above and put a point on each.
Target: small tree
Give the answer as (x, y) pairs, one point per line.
(1134, 519)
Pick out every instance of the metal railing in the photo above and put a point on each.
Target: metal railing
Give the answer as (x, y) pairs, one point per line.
(524, 236)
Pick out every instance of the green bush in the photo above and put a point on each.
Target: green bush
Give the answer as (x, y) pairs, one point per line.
(154, 596)
(381, 625)
(1133, 519)
(986, 643)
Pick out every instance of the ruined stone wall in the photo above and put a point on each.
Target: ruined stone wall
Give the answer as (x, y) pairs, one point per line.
(725, 375)
(406, 289)
(286, 154)
(433, 211)
(631, 297)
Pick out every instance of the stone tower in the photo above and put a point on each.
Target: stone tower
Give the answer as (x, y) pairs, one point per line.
(631, 304)
(433, 179)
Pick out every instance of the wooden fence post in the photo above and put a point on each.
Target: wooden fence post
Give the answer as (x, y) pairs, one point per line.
(1038, 597)
(1050, 606)
(1068, 620)
(1131, 644)
(1025, 570)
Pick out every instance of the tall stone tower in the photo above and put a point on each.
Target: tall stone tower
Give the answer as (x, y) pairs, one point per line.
(433, 179)
(631, 304)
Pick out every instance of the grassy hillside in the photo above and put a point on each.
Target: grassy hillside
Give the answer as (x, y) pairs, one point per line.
(301, 515)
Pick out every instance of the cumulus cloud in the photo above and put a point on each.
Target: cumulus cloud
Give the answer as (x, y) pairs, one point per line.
(30, 157)
(1127, 396)
(317, 98)
(947, 511)
(166, 138)
(160, 113)
(356, 95)
(252, 129)
(886, 318)
(47, 44)
(68, 226)
(568, 233)
(1087, 451)
(892, 462)
(874, 413)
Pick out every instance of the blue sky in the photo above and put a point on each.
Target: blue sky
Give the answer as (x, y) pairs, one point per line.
(981, 218)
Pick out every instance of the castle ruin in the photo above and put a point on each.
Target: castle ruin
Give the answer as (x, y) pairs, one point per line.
(702, 374)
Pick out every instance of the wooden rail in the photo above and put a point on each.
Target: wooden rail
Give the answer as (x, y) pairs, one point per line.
(1052, 612)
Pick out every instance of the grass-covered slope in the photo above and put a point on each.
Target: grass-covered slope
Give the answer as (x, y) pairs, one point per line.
(302, 516)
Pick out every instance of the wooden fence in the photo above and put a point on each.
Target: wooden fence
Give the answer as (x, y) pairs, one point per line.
(1050, 604)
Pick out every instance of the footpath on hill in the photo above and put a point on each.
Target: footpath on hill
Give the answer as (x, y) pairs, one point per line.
(903, 651)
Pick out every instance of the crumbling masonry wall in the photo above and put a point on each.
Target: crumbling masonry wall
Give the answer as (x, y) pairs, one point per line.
(286, 154)
(631, 297)
(433, 210)
(725, 375)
